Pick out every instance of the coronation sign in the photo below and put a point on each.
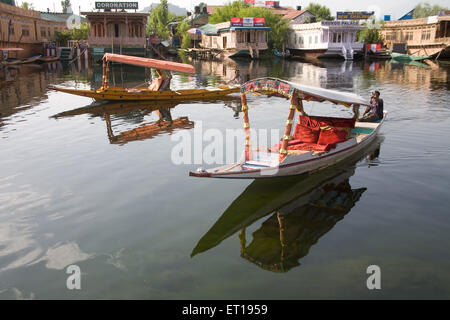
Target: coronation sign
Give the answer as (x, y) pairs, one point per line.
(247, 22)
(116, 5)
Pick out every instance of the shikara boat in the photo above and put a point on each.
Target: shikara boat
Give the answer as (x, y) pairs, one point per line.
(48, 59)
(113, 94)
(407, 57)
(303, 152)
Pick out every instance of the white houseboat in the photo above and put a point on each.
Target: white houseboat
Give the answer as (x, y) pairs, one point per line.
(325, 39)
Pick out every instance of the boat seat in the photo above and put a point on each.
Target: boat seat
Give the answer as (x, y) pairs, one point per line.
(369, 125)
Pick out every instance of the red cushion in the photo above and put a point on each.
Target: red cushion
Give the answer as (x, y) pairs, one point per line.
(333, 135)
(305, 134)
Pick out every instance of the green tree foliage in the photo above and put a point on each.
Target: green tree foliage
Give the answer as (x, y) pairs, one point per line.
(63, 36)
(279, 26)
(320, 12)
(159, 19)
(423, 10)
(80, 33)
(65, 4)
(185, 37)
(27, 5)
(370, 34)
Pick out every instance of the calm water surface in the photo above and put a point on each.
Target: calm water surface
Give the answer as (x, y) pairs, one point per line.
(77, 188)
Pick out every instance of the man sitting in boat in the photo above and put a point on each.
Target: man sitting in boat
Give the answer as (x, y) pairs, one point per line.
(161, 82)
(375, 111)
(237, 77)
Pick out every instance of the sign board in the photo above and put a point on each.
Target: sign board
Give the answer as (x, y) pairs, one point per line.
(272, 3)
(247, 22)
(116, 5)
(356, 15)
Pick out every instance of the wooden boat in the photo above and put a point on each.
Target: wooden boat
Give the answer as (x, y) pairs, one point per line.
(16, 61)
(407, 57)
(294, 155)
(48, 59)
(5, 60)
(114, 94)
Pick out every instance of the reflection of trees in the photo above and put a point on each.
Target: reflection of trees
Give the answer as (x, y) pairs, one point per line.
(301, 210)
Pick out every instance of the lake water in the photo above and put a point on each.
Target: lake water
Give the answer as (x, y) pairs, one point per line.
(75, 189)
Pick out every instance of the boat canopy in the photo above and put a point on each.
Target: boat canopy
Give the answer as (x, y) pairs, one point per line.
(149, 63)
(273, 86)
(11, 49)
(296, 93)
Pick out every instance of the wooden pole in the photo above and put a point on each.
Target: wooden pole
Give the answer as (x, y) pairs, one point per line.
(246, 126)
(287, 131)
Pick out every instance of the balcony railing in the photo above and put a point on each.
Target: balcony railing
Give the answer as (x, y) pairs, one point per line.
(116, 41)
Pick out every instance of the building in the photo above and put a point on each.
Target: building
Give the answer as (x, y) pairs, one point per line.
(245, 37)
(420, 37)
(28, 29)
(116, 31)
(325, 39)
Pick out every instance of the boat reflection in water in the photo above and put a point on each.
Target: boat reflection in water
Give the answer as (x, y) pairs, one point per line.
(301, 210)
(136, 111)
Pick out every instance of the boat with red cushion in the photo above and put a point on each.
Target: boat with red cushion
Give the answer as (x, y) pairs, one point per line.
(316, 142)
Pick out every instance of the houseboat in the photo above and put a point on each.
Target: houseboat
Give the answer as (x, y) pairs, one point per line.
(240, 37)
(419, 37)
(28, 30)
(325, 39)
(117, 31)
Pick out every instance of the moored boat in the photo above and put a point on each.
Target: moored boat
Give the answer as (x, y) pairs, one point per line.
(132, 94)
(337, 138)
(48, 59)
(407, 57)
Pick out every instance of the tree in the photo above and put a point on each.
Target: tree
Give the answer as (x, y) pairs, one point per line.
(159, 19)
(279, 27)
(423, 10)
(27, 5)
(320, 12)
(370, 34)
(185, 37)
(80, 33)
(65, 6)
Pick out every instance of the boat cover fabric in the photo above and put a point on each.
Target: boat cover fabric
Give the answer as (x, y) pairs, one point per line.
(304, 92)
(149, 63)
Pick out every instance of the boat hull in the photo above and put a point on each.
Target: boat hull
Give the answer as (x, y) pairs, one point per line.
(119, 94)
(297, 167)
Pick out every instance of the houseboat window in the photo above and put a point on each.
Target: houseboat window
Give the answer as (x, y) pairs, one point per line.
(334, 37)
(310, 39)
(43, 32)
(25, 31)
(316, 39)
(339, 38)
(426, 35)
(116, 30)
(49, 32)
(300, 39)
